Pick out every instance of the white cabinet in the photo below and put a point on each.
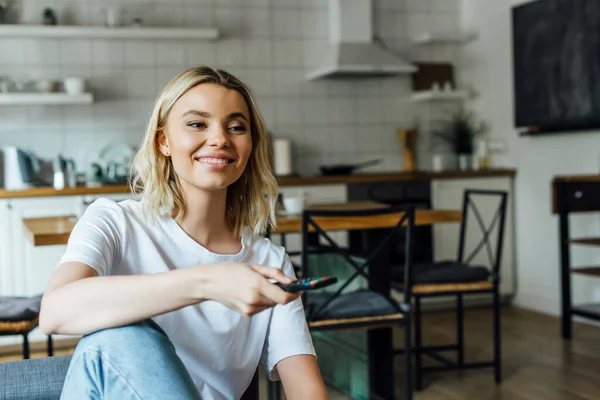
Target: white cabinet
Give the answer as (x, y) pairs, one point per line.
(448, 194)
(26, 269)
(6, 271)
(32, 266)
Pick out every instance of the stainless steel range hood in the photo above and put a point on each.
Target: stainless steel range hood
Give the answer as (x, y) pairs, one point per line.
(352, 51)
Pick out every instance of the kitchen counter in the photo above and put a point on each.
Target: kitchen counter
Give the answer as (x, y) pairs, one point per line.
(283, 181)
(50, 191)
(394, 176)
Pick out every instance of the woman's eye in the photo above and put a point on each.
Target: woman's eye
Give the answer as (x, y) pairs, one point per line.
(196, 125)
(238, 128)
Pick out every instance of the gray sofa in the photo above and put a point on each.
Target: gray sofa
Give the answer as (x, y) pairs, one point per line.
(43, 378)
(33, 379)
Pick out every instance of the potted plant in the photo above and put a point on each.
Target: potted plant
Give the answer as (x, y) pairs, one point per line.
(459, 131)
(6, 8)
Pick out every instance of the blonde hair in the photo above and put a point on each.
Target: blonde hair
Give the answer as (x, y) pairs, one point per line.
(250, 200)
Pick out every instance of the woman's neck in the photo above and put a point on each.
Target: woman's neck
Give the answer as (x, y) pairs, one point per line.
(204, 219)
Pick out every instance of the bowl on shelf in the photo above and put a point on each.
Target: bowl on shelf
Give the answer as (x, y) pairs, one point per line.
(46, 86)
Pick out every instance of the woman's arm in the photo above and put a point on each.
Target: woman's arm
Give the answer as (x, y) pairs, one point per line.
(301, 378)
(78, 301)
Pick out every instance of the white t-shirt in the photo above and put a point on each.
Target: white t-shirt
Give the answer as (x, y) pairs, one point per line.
(220, 348)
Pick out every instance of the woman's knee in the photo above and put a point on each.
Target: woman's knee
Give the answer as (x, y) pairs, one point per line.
(129, 359)
(135, 338)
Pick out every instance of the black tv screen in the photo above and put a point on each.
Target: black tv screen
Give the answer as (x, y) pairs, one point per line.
(556, 50)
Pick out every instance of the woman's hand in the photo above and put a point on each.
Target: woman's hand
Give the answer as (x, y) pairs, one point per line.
(244, 287)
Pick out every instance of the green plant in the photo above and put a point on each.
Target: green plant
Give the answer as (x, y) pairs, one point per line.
(460, 130)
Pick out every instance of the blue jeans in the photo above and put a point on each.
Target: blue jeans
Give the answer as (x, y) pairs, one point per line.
(136, 361)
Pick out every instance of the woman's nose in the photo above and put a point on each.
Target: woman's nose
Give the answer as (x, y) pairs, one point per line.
(218, 137)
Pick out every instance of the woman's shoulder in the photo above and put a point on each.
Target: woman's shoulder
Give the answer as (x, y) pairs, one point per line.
(110, 209)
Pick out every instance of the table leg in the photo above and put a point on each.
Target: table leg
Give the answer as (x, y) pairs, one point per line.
(380, 341)
(381, 363)
(565, 275)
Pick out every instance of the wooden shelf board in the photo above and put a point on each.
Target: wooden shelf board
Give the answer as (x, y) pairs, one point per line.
(29, 99)
(594, 271)
(101, 32)
(444, 37)
(586, 241)
(430, 96)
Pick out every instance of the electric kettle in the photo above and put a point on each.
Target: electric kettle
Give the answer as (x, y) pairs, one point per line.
(20, 168)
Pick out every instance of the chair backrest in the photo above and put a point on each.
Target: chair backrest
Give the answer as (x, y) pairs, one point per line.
(316, 222)
(495, 226)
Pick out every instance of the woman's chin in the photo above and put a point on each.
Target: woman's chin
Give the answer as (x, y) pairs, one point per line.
(214, 183)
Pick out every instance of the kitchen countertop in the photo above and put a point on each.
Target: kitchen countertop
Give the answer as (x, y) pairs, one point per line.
(394, 176)
(283, 181)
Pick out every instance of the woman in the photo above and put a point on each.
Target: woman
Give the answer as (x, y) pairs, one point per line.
(187, 260)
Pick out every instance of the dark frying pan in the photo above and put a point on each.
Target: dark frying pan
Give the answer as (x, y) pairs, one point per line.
(345, 169)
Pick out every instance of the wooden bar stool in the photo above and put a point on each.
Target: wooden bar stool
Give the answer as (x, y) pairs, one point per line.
(19, 316)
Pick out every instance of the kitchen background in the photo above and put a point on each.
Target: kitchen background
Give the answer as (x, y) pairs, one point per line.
(270, 44)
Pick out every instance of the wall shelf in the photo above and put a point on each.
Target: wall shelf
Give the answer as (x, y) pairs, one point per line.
(592, 271)
(444, 38)
(586, 241)
(101, 32)
(33, 99)
(431, 96)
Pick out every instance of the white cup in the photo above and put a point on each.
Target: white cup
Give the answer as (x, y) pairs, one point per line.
(293, 204)
(438, 162)
(74, 85)
(113, 17)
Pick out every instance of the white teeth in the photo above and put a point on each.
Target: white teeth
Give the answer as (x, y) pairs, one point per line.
(214, 161)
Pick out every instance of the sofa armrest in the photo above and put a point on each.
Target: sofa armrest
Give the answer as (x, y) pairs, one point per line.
(33, 379)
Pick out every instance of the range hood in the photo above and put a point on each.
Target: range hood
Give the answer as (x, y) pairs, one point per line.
(352, 51)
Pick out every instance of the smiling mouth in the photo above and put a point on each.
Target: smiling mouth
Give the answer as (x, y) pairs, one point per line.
(209, 160)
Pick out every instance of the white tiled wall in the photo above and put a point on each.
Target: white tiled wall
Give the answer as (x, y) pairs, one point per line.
(269, 44)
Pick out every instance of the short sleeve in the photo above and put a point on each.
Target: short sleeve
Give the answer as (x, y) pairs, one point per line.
(97, 238)
(288, 333)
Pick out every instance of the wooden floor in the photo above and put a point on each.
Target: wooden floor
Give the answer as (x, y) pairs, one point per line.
(538, 364)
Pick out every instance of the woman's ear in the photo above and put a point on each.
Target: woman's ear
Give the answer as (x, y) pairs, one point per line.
(163, 143)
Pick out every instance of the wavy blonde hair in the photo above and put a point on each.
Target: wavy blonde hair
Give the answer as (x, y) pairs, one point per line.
(250, 200)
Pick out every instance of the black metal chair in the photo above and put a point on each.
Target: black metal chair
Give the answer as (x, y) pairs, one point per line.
(459, 278)
(367, 309)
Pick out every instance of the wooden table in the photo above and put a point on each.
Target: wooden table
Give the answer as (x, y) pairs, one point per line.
(56, 230)
(571, 195)
(293, 224)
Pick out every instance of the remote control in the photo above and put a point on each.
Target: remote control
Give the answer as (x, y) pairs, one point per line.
(307, 284)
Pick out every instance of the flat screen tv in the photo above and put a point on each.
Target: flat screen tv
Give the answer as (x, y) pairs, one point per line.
(556, 50)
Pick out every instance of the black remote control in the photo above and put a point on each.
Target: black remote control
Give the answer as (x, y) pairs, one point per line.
(307, 284)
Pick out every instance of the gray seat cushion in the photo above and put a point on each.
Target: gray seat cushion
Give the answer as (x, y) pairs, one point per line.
(19, 308)
(34, 379)
(360, 303)
(443, 272)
